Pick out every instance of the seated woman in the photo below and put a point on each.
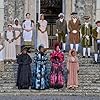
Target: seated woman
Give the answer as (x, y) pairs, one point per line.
(73, 69)
(24, 70)
(40, 79)
(57, 59)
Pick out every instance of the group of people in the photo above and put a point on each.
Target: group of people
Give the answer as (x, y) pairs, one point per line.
(14, 37)
(79, 34)
(47, 73)
(17, 35)
(18, 40)
(50, 73)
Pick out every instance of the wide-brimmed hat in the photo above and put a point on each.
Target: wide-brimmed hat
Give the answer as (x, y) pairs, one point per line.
(24, 48)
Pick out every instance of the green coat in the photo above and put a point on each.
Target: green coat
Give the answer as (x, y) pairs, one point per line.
(95, 33)
(86, 31)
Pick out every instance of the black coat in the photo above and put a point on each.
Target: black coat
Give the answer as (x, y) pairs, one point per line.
(24, 71)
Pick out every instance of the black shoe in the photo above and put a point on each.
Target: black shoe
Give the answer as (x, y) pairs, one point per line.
(83, 57)
(77, 52)
(88, 56)
(95, 62)
(64, 51)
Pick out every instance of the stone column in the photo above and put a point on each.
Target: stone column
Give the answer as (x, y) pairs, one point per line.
(30, 7)
(73, 5)
(97, 10)
(1, 15)
(68, 8)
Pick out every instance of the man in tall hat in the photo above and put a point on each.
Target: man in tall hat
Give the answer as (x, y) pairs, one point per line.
(96, 36)
(86, 31)
(61, 29)
(74, 28)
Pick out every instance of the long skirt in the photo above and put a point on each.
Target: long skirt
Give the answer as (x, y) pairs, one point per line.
(72, 76)
(24, 77)
(40, 80)
(42, 39)
(56, 77)
(10, 51)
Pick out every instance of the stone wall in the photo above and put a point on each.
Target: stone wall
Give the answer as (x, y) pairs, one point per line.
(13, 9)
(18, 8)
(1, 15)
(86, 7)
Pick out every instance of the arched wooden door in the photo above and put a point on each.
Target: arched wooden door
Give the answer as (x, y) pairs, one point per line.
(51, 9)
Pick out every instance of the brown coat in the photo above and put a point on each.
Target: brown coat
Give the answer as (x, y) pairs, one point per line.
(74, 37)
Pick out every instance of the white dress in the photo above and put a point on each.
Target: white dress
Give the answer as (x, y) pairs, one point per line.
(27, 36)
(17, 30)
(42, 38)
(10, 50)
(1, 53)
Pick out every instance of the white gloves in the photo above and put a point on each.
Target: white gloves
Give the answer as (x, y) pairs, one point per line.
(87, 37)
(57, 35)
(74, 31)
(1, 46)
(66, 35)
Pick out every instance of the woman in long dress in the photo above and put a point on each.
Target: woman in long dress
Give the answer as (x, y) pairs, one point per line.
(73, 69)
(24, 70)
(41, 70)
(28, 26)
(17, 28)
(57, 65)
(42, 37)
(1, 53)
(10, 50)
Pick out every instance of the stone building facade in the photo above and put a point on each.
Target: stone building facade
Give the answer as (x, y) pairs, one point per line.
(10, 9)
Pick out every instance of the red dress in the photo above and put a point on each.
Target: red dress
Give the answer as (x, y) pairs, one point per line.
(57, 77)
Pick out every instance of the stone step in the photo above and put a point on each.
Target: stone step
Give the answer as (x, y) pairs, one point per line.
(86, 91)
(88, 74)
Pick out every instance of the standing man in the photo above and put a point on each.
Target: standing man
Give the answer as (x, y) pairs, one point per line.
(86, 31)
(96, 36)
(61, 29)
(28, 26)
(74, 34)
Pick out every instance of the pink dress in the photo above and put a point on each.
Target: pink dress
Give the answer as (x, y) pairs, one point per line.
(57, 77)
(73, 68)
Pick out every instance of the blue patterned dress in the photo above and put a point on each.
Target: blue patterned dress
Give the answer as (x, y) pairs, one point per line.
(41, 69)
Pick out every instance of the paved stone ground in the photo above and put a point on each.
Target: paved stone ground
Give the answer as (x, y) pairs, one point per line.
(49, 98)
